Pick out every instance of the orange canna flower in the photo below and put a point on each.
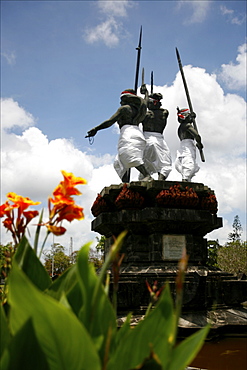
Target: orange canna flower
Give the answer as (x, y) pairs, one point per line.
(3, 208)
(56, 230)
(8, 224)
(6, 208)
(63, 190)
(61, 199)
(30, 215)
(21, 202)
(70, 213)
(71, 180)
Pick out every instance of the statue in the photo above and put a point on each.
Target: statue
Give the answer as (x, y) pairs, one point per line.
(131, 142)
(157, 156)
(186, 156)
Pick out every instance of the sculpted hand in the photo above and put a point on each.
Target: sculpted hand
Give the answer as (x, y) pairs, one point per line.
(91, 133)
(199, 145)
(192, 115)
(143, 89)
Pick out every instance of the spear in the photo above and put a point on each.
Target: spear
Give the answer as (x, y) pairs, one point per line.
(188, 99)
(139, 47)
(152, 82)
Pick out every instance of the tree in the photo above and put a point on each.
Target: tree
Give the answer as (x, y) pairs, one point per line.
(213, 247)
(233, 257)
(56, 261)
(96, 258)
(100, 247)
(237, 230)
(6, 254)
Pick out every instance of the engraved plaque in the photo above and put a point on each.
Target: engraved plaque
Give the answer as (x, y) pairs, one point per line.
(172, 246)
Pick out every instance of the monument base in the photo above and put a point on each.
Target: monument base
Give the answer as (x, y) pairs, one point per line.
(163, 218)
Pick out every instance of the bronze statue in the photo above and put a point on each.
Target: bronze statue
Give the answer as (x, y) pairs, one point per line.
(193, 121)
(157, 156)
(186, 155)
(131, 142)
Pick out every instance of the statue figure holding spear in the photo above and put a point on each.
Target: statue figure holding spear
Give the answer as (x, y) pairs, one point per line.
(131, 143)
(157, 156)
(186, 156)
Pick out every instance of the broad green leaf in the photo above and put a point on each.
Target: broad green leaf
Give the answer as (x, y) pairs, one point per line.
(4, 332)
(63, 339)
(187, 350)
(123, 331)
(97, 313)
(31, 265)
(64, 283)
(154, 333)
(150, 364)
(24, 351)
(68, 284)
(37, 233)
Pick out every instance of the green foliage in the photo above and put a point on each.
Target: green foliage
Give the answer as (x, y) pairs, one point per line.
(237, 230)
(6, 253)
(56, 261)
(70, 323)
(232, 257)
(100, 247)
(213, 247)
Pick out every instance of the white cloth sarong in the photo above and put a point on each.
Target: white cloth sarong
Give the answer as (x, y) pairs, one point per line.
(131, 145)
(157, 156)
(186, 159)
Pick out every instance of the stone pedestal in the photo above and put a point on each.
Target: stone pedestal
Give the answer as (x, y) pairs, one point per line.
(163, 217)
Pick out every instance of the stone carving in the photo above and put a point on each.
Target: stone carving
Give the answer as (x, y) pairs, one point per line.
(167, 195)
(129, 199)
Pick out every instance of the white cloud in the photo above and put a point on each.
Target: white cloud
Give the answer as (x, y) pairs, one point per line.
(199, 10)
(12, 115)
(10, 57)
(109, 31)
(234, 74)
(225, 10)
(31, 163)
(238, 19)
(117, 8)
(31, 166)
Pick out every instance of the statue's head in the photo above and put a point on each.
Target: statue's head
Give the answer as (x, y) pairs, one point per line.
(183, 115)
(128, 96)
(154, 101)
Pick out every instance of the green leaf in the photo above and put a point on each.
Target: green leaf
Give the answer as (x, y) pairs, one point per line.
(36, 239)
(68, 284)
(24, 351)
(123, 331)
(64, 283)
(61, 336)
(187, 350)
(4, 332)
(154, 333)
(97, 313)
(31, 265)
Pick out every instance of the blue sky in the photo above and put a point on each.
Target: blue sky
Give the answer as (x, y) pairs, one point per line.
(65, 63)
